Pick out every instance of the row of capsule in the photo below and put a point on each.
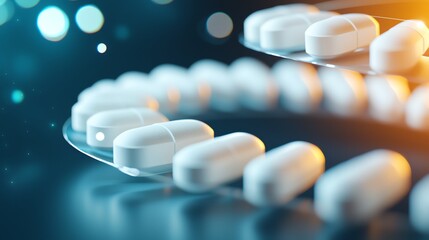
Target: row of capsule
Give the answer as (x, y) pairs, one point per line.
(352, 192)
(250, 84)
(327, 35)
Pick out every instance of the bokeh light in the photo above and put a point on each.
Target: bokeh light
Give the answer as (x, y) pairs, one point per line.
(53, 23)
(27, 3)
(101, 48)
(162, 2)
(219, 25)
(122, 32)
(89, 19)
(6, 11)
(17, 96)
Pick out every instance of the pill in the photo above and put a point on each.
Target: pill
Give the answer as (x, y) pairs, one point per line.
(83, 110)
(155, 145)
(103, 127)
(299, 85)
(101, 85)
(387, 96)
(167, 96)
(253, 22)
(355, 191)
(340, 35)
(255, 84)
(419, 206)
(194, 96)
(209, 164)
(131, 79)
(288, 32)
(417, 108)
(282, 174)
(224, 96)
(344, 91)
(400, 48)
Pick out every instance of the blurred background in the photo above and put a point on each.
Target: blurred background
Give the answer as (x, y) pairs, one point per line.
(49, 53)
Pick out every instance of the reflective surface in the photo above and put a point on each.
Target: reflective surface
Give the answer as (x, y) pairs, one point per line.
(357, 61)
(100, 202)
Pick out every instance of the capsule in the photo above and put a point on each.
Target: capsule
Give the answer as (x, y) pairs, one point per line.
(255, 84)
(131, 79)
(206, 165)
(224, 95)
(167, 96)
(340, 35)
(417, 108)
(387, 96)
(101, 85)
(282, 174)
(254, 21)
(399, 49)
(355, 191)
(344, 91)
(83, 110)
(419, 206)
(155, 145)
(299, 86)
(103, 127)
(287, 32)
(194, 96)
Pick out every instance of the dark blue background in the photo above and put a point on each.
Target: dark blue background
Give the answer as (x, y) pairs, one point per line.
(49, 190)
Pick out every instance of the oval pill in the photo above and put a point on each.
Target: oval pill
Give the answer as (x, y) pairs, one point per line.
(417, 108)
(104, 127)
(194, 96)
(419, 206)
(282, 174)
(299, 86)
(355, 191)
(288, 32)
(206, 165)
(83, 110)
(99, 86)
(387, 96)
(168, 97)
(344, 91)
(255, 84)
(400, 48)
(155, 145)
(339, 35)
(254, 21)
(224, 95)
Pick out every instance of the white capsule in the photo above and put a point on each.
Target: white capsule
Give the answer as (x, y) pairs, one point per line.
(103, 127)
(255, 84)
(340, 35)
(400, 48)
(344, 91)
(282, 174)
(194, 96)
(206, 165)
(419, 206)
(287, 32)
(224, 95)
(167, 96)
(156, 144)
(83, 110)
(131, 79)
(299, 85)
(387, 96)
(101, 85)
(355, 191)
(254, 21)
(417, 108)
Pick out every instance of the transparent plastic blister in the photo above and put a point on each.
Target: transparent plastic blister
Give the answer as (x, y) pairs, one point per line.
(357, 61)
